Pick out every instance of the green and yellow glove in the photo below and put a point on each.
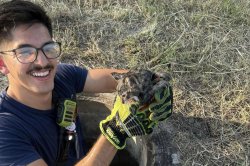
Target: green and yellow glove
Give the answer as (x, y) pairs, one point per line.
(128, 120)
(162, 106)
(159, 109)
(124, 122)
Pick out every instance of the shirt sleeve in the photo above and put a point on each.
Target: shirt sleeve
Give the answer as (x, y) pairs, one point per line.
(15, 148)
(73, 75)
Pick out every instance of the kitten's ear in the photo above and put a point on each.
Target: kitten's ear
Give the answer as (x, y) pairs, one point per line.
(117, 76)
(161, 76)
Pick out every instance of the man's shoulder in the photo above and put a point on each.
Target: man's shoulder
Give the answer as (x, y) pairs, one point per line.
(68, 72)
(65, 67)
(8, 120)
(70, 77)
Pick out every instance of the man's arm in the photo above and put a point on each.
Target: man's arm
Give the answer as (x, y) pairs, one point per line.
(101, 154)
(39, 162)
(101, 80)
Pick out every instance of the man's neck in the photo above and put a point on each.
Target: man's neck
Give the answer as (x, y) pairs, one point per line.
(33, 100)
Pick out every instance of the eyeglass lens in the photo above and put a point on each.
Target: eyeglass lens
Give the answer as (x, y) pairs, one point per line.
(29, 54)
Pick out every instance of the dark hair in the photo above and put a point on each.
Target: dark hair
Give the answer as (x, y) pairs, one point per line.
(17, 12)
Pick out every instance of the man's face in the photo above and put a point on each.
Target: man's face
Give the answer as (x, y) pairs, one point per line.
(36, 77)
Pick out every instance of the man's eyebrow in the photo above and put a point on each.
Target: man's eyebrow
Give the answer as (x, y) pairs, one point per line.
(29, 45)
(24, 45)
(48, 42)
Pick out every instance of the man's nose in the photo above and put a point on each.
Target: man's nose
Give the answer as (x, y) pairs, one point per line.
(41, 58)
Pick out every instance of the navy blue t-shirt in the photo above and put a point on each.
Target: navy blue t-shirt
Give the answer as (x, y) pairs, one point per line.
(28, 134)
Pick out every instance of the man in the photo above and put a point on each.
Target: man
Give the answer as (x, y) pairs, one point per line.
(29, 132)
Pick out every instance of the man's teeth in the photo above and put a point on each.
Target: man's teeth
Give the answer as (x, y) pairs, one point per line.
(40, 74)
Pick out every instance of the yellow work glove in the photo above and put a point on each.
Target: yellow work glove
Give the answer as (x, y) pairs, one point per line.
(125, 121)
(131, 119)
(162, 106)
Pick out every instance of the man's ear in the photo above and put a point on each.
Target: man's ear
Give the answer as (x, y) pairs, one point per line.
(3, 67)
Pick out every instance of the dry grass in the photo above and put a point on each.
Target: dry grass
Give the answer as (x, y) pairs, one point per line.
(207, 44)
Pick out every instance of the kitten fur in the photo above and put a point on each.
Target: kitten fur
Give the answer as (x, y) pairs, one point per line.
(140, 85)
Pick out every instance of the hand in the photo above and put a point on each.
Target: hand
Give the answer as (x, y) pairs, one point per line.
(125, 121)
(162, 106)
(159, 109)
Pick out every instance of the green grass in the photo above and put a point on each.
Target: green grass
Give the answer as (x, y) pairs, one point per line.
(207, 44)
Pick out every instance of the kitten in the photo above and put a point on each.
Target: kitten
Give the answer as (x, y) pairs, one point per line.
(140, 85)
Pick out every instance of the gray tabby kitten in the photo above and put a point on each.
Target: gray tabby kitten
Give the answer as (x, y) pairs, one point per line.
(140, 85)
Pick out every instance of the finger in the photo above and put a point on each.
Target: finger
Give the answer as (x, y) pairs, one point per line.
(163, 93)
(148, 125)
(160, 116)
(159, 112)
(149, 130)
(159, 106)
(118, 102)
(133, 108)
(143, 114)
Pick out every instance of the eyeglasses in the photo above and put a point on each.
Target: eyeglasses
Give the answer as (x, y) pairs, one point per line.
(28, 54)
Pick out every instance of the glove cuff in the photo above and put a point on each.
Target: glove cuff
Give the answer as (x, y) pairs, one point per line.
(113, 134)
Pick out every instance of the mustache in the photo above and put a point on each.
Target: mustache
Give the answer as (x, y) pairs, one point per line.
(38, 68)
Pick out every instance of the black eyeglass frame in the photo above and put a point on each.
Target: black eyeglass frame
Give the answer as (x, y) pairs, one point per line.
(36, 53)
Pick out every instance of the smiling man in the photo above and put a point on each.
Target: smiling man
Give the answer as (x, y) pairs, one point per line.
(39, 85)
(29, 56)
(30, 72)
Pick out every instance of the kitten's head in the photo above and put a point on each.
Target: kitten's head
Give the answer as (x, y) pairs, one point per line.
(135, 85)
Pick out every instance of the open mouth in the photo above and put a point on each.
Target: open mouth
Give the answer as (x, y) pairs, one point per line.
(40, 73)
